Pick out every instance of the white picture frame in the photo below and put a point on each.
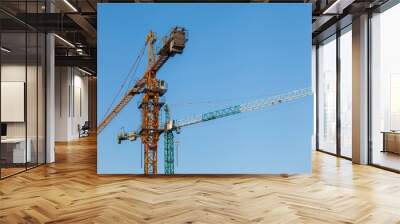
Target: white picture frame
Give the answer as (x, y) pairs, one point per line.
(12, 101)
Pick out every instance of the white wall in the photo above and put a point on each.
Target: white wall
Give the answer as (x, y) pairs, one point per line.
(80, 110)
(12, 73)
(61, 103)
(71, 102)
(33, 127)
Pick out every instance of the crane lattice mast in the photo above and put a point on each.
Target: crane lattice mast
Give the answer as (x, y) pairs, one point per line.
(168, 143)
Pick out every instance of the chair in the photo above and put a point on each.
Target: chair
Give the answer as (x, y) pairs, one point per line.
(84, 130)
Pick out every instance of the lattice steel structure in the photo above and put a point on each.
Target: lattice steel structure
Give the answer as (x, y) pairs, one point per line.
(245, 107)
(171, 125)
(152, 90)
(168, 143)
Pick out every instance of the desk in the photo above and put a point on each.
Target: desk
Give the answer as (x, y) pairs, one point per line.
(391, 141)
(13, 150)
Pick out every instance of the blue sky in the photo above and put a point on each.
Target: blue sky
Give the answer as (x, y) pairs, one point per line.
(235, 53)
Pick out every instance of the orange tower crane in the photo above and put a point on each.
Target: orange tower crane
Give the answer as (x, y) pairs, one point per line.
(152, 90)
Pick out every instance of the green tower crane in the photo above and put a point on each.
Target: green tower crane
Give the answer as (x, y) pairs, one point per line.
(171, 126)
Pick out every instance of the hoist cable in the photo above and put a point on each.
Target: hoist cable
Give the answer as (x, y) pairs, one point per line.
(130, 75)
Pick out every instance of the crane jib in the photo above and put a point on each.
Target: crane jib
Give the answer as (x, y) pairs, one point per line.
(221, 113)
(245, 107)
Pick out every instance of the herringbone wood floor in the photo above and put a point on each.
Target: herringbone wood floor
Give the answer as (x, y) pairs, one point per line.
(70, 191)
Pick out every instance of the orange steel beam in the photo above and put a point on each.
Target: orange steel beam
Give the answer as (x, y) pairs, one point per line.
(150, 111)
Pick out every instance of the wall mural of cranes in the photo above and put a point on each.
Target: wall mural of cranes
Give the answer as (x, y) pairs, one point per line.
(151, 104)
